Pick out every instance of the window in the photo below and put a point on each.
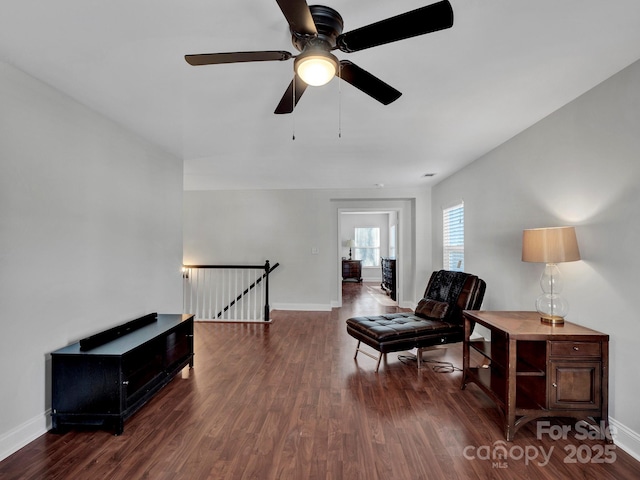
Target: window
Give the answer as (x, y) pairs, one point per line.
(453, 238)
(368, 246)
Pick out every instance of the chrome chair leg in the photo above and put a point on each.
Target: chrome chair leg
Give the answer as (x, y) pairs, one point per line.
(378, 358)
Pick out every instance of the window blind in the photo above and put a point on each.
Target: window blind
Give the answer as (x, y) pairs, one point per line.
(453, 238)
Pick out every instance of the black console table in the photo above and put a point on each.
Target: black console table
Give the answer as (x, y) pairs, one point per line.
(389, 276)
(104, 379)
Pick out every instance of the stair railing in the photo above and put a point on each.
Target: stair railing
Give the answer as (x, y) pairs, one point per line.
(227, 293)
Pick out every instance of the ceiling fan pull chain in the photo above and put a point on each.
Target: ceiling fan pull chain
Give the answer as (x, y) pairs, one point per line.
(293, 110)
(340, 102)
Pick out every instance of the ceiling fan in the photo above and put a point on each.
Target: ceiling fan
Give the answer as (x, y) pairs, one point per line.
(317, 30)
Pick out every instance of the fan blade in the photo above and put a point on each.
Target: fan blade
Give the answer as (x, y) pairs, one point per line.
(299, 16)
(367, 83)
(236, 57)
(431, 18)
(287, 104)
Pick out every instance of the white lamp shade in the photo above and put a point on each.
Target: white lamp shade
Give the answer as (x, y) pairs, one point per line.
(550, 245)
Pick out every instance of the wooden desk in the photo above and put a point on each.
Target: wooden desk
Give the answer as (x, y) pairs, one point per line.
(532, 370)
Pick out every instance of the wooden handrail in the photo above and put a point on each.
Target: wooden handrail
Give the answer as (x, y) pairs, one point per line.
(226, 266)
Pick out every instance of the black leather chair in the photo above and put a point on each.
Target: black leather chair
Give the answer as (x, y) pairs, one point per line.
(437, 319)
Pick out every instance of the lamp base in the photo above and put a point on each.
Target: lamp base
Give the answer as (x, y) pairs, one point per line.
(552, 320)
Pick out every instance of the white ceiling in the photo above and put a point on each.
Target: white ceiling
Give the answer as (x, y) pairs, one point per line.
(503, 66)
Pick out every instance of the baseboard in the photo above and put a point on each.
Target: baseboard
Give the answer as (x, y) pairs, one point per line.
(18, 437)
(304, 307)
(625, 438)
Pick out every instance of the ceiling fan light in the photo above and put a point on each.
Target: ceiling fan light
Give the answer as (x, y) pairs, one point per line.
(317, 68)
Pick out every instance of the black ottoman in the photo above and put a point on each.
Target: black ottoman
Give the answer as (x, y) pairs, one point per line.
(401, 331)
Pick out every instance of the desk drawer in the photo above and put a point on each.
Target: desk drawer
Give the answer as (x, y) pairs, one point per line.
(575, 349)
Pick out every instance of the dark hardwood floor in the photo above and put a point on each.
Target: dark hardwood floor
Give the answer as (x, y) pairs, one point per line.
(288, 401)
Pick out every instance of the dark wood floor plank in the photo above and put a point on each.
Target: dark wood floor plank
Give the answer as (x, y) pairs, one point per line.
(288, 401)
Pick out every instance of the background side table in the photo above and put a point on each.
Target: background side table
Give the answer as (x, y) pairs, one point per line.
(352, 269)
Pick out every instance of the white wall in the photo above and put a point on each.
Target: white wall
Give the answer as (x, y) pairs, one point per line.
(579, 166)
(284, 225)
(90, 236)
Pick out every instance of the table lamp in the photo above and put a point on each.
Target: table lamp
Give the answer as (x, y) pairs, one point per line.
(551, 245)
(351, 244)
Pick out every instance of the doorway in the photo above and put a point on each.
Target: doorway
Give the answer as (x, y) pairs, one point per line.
(370, 236)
